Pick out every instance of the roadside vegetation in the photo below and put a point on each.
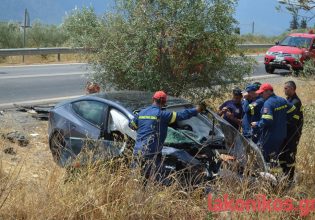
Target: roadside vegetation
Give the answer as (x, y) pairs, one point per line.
(178, 46)
(32, 186)
(39, 35)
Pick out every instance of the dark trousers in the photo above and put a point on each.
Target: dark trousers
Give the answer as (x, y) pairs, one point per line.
(288, 153)
(152, 168)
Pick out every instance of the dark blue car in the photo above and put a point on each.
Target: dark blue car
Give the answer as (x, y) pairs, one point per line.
(99, 124)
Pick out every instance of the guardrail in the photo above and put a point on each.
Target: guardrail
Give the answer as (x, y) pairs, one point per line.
(42, 51)
(68, 50)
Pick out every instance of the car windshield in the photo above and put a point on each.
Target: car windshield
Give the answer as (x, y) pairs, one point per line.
(178, 137)
(195, 130)
(301, 42)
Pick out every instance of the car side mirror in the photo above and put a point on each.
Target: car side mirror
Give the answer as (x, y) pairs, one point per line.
(277, 43)
(313, 46)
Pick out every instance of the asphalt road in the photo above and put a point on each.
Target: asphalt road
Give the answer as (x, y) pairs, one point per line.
(52, 82)
(41, 82)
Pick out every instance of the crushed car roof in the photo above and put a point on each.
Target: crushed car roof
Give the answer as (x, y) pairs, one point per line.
(134, 100)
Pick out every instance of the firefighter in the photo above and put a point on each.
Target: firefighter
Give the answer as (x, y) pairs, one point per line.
(232, 110)
(294, 131)
(273, 123)
(252, 104)
(151, 125)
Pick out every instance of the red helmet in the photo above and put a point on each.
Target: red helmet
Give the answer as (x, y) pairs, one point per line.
(160, 95)
(264, 87)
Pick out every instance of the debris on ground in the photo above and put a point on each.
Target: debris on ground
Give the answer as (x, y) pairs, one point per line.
(17, 137)
(34, 135)
(40, 112)
(9, 150)
(1, 112)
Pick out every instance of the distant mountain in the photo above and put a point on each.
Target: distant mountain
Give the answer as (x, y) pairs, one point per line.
(267, 20)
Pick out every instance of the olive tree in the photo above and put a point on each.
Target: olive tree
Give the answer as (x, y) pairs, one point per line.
(43, 35)
(185, 47)
(10, 35)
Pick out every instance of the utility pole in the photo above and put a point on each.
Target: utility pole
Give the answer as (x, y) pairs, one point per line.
(26, 25)
(253, 27)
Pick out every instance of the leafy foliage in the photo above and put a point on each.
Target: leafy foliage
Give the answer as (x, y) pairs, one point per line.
(309, 69)
(84, 27)
(183, 47)
(293, 6)
(294, 24)
(39, 35)
(303, 24)
(10, 35)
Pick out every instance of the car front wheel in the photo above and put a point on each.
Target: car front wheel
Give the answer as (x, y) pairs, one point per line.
(57, 144)
(269, 69)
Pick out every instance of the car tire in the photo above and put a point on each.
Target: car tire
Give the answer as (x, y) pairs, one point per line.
(269, 69)
(57, 144)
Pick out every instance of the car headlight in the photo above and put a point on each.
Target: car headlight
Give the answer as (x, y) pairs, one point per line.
(268, 53)
(297, 56)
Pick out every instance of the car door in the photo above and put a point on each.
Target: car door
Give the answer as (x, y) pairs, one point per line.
(246, 152)
(89, 119)
(117, 134)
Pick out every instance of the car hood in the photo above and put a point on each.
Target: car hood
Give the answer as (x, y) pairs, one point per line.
(287, 49)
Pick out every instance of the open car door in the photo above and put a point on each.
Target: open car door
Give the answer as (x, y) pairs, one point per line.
(246, 152)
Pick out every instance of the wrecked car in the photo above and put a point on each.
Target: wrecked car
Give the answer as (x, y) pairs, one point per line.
(99, 123)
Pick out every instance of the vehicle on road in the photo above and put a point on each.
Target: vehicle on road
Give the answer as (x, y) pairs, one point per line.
(291, 52)
(98, 123)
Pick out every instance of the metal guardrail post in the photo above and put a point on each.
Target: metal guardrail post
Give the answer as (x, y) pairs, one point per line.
(58, 57)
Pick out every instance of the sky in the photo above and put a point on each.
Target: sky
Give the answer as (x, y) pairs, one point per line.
(263, 13)
(267, 20)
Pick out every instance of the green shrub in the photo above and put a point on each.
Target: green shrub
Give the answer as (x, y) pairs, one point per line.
(10, 35)
(309, 68)
(183, 47)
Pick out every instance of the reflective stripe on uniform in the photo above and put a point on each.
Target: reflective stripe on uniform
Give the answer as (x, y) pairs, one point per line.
(252, 109)
(265, 116)
(133, 124)
(281, 107)
(296, 117)
(291, 109)
(147, 117)
(173, 119)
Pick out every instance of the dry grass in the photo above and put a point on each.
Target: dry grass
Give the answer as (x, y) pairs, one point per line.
(42, 59)
(33, 187)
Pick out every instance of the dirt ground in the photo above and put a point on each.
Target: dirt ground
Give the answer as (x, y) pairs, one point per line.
(33, 161)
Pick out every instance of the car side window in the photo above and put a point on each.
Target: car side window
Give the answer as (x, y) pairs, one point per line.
(91, 111)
